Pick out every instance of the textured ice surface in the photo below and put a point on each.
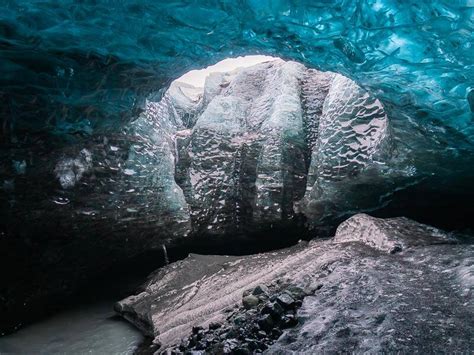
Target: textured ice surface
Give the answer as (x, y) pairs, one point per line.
(246, 148)
(254, 149)
(277, 139)
(351, 144)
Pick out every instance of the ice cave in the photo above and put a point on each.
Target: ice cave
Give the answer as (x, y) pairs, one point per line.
(236, 177)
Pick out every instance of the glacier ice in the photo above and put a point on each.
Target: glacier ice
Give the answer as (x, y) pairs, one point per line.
(389, 235)
(352, 144)
(95, 59)
(257, 147)
(75, 73)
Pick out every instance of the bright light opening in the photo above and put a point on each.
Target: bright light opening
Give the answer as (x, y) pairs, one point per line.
(197, 78)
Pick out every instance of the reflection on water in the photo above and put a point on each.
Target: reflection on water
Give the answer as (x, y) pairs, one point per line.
(89, 329)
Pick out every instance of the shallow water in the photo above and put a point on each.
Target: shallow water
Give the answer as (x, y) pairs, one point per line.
(88, 329)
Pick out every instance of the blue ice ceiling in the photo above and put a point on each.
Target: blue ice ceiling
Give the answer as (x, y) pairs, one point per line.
(82, 66)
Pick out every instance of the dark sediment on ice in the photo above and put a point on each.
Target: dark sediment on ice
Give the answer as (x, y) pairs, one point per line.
(379, 285)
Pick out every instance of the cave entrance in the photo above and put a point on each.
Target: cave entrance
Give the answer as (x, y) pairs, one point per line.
(197, 77)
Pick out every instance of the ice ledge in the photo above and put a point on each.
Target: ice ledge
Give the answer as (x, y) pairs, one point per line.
(390, 235)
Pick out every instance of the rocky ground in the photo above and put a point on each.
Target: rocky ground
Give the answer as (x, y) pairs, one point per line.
(258, 323)
(377, 286)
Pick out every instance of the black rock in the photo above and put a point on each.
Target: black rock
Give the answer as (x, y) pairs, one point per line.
(266, 322)
(251, 343)
(276, 333)
(260, 290)
(233, 333)
(197, 329)
(210, 338)
(286, 300)
(193, 341)
(250, 301)
(184, 344)
(262, 346)
(223, 330)
(240, 319)
(200, 346)
(261, 334)
(230, 345)
(214, 325)
(296, 292)
(200, 335)
(242, 350)
(251, 312)
(255, 328)
(289, 320)
(274, 309)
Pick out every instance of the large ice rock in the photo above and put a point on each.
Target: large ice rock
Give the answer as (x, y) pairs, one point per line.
(246, 159)
(270, 141)
(359, 297)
